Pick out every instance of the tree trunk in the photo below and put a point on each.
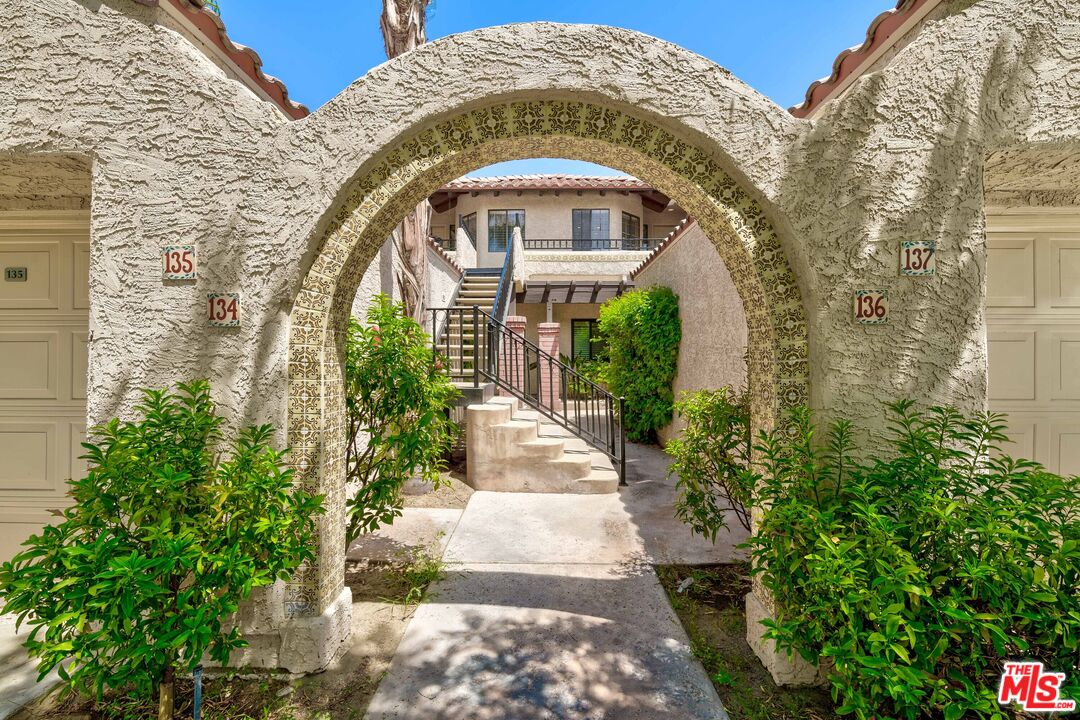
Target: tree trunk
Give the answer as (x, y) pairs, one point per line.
(403, 25)
(166, 695)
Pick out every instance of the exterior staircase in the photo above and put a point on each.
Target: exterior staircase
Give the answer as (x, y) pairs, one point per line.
(568, 441)
(459, 341)
(519, 450)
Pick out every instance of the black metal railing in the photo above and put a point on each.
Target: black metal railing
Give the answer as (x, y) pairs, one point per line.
(449, 243)
(480, 349)
(581, 245)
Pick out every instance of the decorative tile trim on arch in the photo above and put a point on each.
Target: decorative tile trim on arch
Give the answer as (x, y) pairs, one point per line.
(406, 172)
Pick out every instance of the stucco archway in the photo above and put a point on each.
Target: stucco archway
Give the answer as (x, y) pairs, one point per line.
(423, 158)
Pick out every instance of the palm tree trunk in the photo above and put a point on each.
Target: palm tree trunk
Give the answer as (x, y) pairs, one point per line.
(403, 25)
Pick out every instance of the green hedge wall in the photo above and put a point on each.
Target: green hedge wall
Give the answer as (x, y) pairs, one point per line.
(641, 332)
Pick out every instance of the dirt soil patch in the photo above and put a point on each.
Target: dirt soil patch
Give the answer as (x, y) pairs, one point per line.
(452, 491)
(711, 609)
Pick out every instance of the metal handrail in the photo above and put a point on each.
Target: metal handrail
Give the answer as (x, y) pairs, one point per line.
(597, 414)
(500, 308)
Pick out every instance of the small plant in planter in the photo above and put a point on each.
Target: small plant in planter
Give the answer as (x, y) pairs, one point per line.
(396, 396)
(163, 541)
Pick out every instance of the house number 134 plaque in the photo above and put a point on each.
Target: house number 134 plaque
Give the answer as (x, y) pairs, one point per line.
(223, 309)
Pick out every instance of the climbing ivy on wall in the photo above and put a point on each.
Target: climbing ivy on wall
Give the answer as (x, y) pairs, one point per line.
(641, 331)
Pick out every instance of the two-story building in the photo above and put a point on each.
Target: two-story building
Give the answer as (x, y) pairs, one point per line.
(581, 235)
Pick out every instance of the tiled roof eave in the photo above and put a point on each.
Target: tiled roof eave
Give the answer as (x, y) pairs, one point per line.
(664, 244)
(244, 58)
(883, 30)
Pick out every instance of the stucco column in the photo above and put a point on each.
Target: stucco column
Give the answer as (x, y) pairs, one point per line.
(550, 390)
(512, 357)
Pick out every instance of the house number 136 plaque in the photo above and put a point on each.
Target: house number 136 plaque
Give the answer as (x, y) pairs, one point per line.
(871, 307)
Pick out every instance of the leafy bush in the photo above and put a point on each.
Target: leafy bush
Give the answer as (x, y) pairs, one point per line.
(396, 396)
(164, 539)
(920, 572)
(641, 332)
(712, 460)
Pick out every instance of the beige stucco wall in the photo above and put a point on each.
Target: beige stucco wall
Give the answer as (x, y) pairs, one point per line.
(713, 348)
(843, 189)
(600, 265)
(442, 280)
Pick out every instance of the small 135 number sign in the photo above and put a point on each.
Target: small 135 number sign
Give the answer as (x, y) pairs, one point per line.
(871, 307)
(918, 257)
(223, 309)
(178, 262)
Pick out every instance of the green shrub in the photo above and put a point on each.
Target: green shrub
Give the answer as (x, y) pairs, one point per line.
(396, 396)
(641, 332)
(918, 573)
(712, 460)
(164, 539)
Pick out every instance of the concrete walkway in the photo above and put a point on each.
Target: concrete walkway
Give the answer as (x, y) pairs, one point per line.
(18, 673)
(551, 609)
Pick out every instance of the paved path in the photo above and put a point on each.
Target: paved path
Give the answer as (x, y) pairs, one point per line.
(551, 609)
(18, 673)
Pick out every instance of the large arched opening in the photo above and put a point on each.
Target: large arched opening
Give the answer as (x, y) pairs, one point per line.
(424, 157)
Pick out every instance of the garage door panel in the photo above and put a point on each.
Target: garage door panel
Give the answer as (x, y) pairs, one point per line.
(41, 287)
(28, 456)
(80, 282)
(79, 365)
(1065, 272)
(1012, 365)
(1021, 442)
(77, 466)
(1010, 270)
(28, 365)
(1065, 449)
(1065, 366)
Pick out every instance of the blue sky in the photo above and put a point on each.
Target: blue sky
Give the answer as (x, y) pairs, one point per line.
(776, 46)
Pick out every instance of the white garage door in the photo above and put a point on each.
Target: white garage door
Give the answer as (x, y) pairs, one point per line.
(44, 303)
(1033, 331)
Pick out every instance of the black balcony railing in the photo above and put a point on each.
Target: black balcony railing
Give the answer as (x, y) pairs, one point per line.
(445, 243)
(606, 244)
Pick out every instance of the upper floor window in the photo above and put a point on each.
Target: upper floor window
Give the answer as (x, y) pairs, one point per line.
(591, 229)
(501, 224)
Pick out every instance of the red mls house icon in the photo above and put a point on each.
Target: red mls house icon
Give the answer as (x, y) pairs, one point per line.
(1033, 688)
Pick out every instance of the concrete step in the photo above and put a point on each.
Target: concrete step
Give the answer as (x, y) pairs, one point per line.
(542, 448)
(516, 432)
(598, 482)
